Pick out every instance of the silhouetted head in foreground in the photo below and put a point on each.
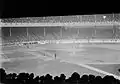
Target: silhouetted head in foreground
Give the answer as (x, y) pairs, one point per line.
(29, 78)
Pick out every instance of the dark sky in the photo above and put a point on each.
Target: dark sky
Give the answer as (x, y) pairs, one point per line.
(37, 8)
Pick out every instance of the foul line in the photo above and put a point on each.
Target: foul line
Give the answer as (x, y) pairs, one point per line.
(95, 69)
(99, 70)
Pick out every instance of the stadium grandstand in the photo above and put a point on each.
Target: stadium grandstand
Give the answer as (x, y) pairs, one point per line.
(62, 28)
(73, 34)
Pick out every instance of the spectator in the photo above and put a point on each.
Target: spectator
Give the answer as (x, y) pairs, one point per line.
(48, 79)
(75, 77)
(57, 80)
(84, 79)
(62, 77)
(42, 78)
(37, 80)
(2, 75)
(26, 78)
(109, 79)
(98, 80)
(91, 78)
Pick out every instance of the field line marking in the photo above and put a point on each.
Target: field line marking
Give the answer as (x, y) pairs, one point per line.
(99, 70)
(94, 69)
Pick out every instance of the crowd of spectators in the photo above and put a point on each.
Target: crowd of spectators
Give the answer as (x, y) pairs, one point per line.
(63, 19)
(75, 78)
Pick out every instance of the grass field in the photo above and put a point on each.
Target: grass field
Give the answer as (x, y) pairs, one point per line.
(94, 59)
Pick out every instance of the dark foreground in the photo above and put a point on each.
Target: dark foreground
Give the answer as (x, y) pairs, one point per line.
(75, 78)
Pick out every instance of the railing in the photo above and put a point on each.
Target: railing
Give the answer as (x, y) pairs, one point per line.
(96, 41)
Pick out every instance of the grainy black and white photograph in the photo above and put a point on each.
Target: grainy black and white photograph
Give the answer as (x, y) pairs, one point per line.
(71, 49)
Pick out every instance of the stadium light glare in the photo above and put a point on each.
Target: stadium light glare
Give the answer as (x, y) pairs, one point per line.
(104, 17)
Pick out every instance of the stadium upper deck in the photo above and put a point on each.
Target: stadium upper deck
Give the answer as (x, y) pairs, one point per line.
(61, 27)
(101, 19)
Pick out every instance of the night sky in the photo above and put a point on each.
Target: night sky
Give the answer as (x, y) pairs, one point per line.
(39, 8)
